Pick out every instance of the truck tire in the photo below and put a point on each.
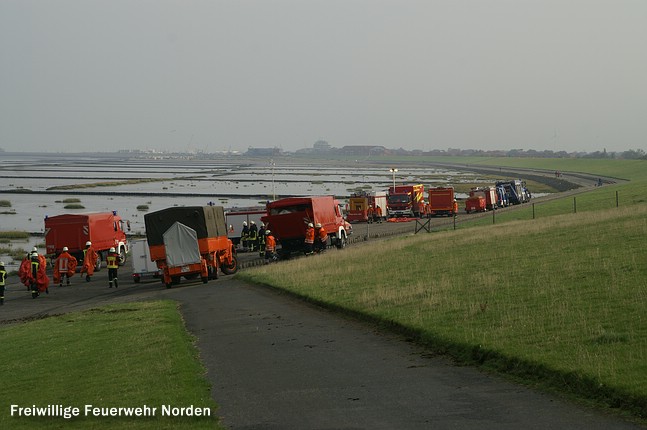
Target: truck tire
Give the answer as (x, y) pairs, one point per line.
(341, 242)
(232, 268)
(97, 266)
(122, 255)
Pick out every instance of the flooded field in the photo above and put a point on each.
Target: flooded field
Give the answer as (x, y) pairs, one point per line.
(36, 186)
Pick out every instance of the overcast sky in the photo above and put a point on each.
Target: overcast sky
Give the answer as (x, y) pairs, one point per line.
(212, 75)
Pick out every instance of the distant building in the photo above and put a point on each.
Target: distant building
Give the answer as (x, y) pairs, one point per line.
(264, 152)
(321, 146)
(365, 150)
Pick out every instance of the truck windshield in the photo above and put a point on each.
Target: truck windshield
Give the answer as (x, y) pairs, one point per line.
(288, 209)
(399, 198)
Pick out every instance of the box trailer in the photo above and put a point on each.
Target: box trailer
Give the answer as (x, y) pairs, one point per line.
(140, 258)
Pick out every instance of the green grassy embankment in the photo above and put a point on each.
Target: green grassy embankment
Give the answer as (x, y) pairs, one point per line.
(127, 355)
(559, 301)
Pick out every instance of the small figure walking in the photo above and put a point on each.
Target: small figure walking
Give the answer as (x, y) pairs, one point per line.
(308, 243)
(33, 274)
(64, 267)
(89, 261)
(112, 261)
(3, 280)
(270, 247)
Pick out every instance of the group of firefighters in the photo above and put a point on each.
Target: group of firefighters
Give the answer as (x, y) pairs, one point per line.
(253, 239)
(33, 269)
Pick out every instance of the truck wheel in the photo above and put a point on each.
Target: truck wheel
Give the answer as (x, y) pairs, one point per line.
(122, 255)
(97, 266)
(341, 242)
(232, 268)
(136, 279)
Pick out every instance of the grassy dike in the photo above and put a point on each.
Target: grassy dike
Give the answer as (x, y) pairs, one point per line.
(558, 302)
(126, 355)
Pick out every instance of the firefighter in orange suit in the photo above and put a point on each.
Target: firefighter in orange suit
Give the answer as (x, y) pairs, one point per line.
(370, 213)
(310, 239)
(89, 260)
(378, 213)
(64, 267)
(33, 274)
(112, 262)
(270, 247)
(455, 207)
(322, 238)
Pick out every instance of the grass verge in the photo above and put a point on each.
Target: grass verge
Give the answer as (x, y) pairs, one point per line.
(126, 355)
(559, 302)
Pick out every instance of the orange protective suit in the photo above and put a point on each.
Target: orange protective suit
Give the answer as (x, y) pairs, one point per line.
(89, 261)
(64, 264)
(27, 278)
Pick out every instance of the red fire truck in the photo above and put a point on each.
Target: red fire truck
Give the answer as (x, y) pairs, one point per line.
(288, 218)
(406, 200)
(103, 229)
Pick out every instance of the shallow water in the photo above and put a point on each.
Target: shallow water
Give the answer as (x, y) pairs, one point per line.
(230, 182)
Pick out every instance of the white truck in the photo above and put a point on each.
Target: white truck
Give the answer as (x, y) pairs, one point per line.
(141, 260)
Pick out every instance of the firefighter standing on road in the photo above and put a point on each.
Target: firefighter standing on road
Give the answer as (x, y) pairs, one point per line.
(310, 239)
(112, 262)
(261, 240)
(270, 247)
(64, 267)
(89, 261)
(3, 280)
(253, 236)
(321, 242)
(244, 235)
(369, 214)
(33, 274)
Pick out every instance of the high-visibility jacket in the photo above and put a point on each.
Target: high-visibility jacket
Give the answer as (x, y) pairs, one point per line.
(112, 260)
(310, 235)
(3, 277)
(64, 264)
(378, 210)
(323, 236)
(270, 243)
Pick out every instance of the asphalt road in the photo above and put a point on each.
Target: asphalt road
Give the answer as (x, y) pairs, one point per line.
(277, 363)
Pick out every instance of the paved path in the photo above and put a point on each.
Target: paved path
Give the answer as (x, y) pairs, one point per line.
(278, 363)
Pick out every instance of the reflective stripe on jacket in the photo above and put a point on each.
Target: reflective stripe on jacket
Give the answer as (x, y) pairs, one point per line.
(111, 261)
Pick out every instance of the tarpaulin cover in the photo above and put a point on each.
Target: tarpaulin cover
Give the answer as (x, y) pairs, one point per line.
(181, 244)
(207, 221)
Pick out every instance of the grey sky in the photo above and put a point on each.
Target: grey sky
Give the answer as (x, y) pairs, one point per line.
(173, 74)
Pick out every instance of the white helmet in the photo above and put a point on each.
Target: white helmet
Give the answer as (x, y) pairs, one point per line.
(65, 249)
(34, 249)
(1, 263)
(318, 225)
(88, 243)
(310, 224)
(252, 222)
(34, 254)
(267, 232)
(244, 223)
(112, 249)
